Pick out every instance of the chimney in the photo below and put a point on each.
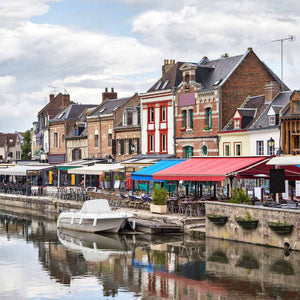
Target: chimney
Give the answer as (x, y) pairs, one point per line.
(272, 88)
(167, 66)
(51, 97)
(109, 95)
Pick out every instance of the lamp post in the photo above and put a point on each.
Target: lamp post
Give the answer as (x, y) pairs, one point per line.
(133, 148)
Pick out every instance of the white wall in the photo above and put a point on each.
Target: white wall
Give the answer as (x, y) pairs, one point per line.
(264, 135)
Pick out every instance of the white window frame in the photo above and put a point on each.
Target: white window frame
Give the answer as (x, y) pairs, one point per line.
(260, 147)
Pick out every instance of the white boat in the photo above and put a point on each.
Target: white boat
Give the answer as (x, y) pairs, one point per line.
(94, 216)
(94, 247)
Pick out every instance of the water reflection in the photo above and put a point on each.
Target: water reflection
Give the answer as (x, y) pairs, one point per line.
(145, 267)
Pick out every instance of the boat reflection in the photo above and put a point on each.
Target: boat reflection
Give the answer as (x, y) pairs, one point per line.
(94, 247)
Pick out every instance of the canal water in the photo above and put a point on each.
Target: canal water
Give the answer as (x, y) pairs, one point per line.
(39, 262)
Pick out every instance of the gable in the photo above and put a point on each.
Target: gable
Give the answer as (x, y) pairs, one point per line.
(237, 115)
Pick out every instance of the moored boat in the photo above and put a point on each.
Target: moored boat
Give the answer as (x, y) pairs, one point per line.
(94, 216)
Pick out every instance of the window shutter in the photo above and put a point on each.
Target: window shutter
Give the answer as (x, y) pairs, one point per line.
(137, 145)
(130, 144)
(79, 153)
(113, 148)
(73, 154)
(122, 146)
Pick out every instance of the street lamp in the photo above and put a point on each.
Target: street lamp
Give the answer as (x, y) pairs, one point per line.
(271, 144)
(133, 147)
(109, 158)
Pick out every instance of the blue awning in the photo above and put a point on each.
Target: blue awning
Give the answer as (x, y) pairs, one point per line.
(146, 173)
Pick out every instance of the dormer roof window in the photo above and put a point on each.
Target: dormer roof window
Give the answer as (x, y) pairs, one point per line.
(237, 120)
(272, 120)
(158, 85)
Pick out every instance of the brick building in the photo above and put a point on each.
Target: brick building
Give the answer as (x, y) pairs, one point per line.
(60, 127)
(208, 96)
(102, 139)
(10, 147)
(40, 148)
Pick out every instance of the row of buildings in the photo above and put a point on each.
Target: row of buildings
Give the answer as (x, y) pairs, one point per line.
(229, 106)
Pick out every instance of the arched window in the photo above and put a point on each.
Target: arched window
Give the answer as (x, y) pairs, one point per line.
(187, 79)
(208, 117)
(187, 151)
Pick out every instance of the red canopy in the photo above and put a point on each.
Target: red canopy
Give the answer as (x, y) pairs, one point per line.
(214, 168)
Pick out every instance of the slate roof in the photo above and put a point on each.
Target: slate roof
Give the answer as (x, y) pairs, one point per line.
(259, 119)
(216, 71)
(209, 73)
(109, 106)
(72, 112)
(8, 139)
(281, 100)
(174, 76)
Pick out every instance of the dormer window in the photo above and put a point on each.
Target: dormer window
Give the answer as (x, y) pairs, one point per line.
(237, 123)
(187, 79)
(272, 120)
(296, 106)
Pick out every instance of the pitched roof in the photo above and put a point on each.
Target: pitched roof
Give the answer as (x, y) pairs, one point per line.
(8, 139)
(169, 80)
(109, 106)
(72, 112)
(277, 104)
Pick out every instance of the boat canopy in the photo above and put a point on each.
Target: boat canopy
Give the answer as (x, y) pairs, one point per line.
(97, 206)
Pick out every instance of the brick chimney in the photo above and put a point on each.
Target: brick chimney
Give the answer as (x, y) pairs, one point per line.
(168, 64)
(66, 100)
(109, 95)
(51, 96)
(272, 88)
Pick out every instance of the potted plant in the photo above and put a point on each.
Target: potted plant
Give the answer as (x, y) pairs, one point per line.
(121, 178)
(217, 219)
(281, 228)
(206, 128)
(117, 181)
(247, 222)
(107, 182)
(159, 200)
(239, 196)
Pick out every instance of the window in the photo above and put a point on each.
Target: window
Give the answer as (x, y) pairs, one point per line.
(208, 117)
(163, 140)
(187, 79)
(296, 142)
(96, 141)
(187, 151)
(191, 114)
(204, 150)
(136, 145)
(237, 123)
(151, 143)
(165, 84)
(55, 139)
(158, 85)
(151, 114)
(259, 147)
(238, 148)
(119, 147)
(183, 119)
(76, 131)
(226, 150)
(127, 146)
(163, 113)
(296, 107)
(272, 120)
(109, 140)
(76, 154)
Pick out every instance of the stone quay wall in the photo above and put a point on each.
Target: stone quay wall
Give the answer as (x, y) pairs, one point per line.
(43, 206)
(262, 234)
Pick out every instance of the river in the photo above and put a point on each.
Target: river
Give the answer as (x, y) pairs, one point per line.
(39, 262)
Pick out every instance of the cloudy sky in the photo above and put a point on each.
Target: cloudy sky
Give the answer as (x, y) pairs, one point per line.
(82, 46)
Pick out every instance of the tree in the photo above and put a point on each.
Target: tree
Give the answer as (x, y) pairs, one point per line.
(225, 55)
(26, 148)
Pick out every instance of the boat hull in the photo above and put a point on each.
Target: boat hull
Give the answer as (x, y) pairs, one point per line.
(90, 224)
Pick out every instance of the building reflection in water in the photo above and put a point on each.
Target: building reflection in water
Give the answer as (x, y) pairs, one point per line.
(153, 267)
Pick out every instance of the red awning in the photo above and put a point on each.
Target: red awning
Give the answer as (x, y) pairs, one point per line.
(212, 168)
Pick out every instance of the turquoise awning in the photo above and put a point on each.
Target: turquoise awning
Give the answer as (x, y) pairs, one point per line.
(146, 173)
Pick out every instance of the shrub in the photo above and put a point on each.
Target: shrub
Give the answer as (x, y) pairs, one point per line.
(107, 178)
(160, 195)
(121, 178)
(239, 196)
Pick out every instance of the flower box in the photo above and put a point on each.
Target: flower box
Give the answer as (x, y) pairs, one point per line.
(247, 224)
(183, 129)
(281, 228)
(217, 219)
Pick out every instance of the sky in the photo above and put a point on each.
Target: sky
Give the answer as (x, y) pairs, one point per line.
(82, 46)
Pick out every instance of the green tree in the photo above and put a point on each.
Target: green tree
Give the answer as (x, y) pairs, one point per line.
(225, 55)
(26, 148)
